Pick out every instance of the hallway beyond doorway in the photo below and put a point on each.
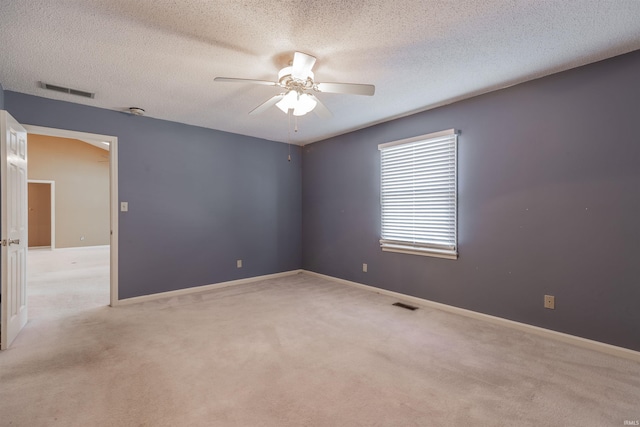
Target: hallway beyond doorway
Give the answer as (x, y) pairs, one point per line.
(65, 282)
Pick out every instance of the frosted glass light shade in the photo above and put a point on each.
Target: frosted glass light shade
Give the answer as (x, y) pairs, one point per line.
(305, 104)
(300, 103)
(289, 101)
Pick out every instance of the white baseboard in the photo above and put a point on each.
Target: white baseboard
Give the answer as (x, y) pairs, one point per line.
(79, 248)
(547, 333)
(203, 288)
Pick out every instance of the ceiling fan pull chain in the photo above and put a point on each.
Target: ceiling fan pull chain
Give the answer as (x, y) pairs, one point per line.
(289, 135)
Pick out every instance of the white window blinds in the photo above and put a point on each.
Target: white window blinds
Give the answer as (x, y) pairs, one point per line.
(418, 195)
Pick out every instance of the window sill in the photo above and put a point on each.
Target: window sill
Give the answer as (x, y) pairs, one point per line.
(422, 252)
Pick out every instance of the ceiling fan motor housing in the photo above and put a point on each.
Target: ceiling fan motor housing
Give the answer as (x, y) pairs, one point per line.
(287, 81)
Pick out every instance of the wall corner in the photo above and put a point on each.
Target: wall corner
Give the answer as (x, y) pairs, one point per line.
(1, 97)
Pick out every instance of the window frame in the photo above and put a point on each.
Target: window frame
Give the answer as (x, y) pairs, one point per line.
(409, 245)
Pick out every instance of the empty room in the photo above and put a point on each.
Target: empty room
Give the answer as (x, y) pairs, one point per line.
(413, 213)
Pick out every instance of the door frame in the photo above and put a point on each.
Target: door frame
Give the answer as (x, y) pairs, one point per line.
(52, 186)
(113, 191)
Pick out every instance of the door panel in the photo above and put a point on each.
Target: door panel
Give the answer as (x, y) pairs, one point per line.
(13, 185)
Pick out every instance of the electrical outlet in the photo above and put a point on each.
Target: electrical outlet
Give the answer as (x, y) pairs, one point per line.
(124, 206)
(364, 267)
(239, 263)
(550, 302)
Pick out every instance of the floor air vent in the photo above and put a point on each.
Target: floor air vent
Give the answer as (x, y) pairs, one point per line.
(70, 91)
(407, 306)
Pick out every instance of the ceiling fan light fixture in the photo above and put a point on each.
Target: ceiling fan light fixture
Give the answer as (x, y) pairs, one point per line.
(300, 103)
(305, 105)
(289, 102)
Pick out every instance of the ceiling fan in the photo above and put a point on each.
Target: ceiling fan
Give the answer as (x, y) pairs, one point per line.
(297, 82)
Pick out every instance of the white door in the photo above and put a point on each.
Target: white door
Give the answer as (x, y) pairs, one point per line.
(13, 200)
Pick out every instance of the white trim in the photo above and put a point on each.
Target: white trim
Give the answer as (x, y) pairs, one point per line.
(536, 330)
(203, 288)
(71, 134)
(53, 207)
(113, 190)
(100, 144)
(79, 248)
(114, 206)
(418, 138)
(422, 252)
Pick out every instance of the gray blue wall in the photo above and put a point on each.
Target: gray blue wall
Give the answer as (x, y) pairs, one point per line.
(549, 203)
(199, 199)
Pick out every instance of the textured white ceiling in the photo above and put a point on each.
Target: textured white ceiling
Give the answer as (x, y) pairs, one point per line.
(162, 55)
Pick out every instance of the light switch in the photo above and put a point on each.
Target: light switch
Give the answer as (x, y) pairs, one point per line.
(124, 206)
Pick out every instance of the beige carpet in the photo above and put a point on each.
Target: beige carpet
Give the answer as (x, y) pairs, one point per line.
(297, 351)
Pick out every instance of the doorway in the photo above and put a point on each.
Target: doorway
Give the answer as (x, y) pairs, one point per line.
(110, 146)
(42, 214)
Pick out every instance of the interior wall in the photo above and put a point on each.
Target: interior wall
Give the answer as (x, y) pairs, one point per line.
(81, 173)
(548, 204)
(199, 199)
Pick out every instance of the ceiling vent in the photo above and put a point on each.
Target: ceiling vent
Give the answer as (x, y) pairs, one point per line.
(403, 305)
(70, 91)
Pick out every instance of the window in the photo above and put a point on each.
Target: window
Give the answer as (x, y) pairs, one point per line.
(418, 195)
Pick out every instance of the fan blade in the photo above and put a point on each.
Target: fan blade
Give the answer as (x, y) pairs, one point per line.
(302, 65)
(320, 109)
(351, 88)
(265, 106)
(234, 80)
